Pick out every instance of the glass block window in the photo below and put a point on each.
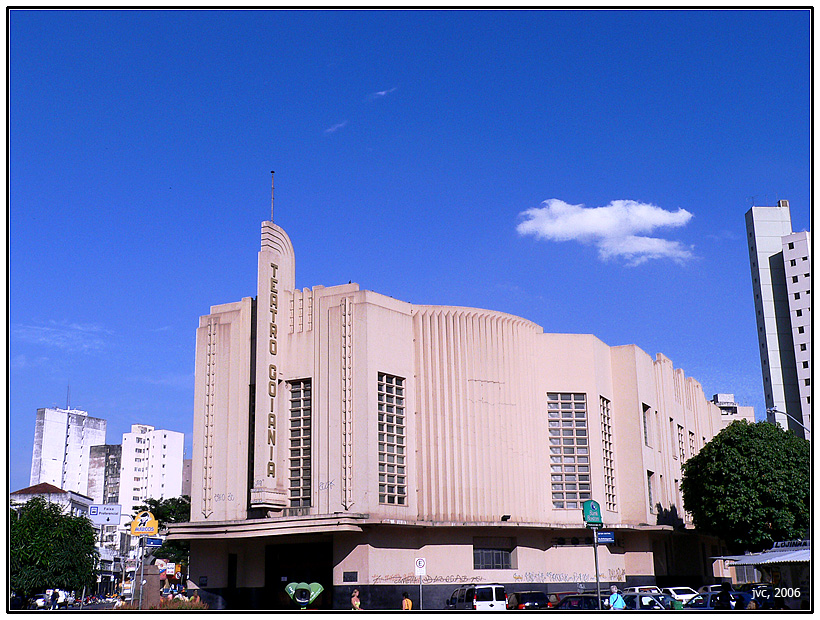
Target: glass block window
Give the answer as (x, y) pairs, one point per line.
(681, 445)
(609, 459)
(692, 448)
(299, 466)
(569, 449)
(392, 440)
(650, 477)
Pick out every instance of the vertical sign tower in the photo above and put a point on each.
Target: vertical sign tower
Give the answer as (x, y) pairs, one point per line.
(275, 283)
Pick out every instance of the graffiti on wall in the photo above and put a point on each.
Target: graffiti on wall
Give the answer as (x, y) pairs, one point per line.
(612, 574)
(407, 578)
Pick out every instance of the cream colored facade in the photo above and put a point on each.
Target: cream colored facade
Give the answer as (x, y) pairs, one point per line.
(339, 434)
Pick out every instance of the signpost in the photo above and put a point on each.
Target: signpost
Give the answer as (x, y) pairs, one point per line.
(143, 525)
(421, 571)
(592, 519)
(104, 514)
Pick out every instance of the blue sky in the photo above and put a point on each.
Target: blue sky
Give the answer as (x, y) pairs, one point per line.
(586, 170)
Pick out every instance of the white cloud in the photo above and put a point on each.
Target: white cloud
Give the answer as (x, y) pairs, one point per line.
(383, 93)
(617, 229)
(336, 127)
(72, 337)
(183, 381)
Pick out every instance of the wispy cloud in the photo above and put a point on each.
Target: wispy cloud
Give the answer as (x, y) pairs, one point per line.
(336, 127)
(382, 93)
(173, 380)
(23, 361)
(616, 229)
(71, 337)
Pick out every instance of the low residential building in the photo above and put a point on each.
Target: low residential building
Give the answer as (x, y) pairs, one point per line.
(340, 435)
(731, 411)
(72, 503)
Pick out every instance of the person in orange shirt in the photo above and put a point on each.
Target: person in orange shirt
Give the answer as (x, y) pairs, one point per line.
(406, 603)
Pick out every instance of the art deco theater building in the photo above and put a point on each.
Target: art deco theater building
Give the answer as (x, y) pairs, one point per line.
(340, 434)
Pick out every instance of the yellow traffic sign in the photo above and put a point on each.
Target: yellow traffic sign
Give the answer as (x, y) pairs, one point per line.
(144, 524)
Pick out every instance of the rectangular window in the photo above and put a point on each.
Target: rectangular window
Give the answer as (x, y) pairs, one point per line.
(692, 449)
(392, 440)
(646, 438)
(681, 445)
(799, 312)
(800, 330)
(649, 481)
(569, 449)
(493, 553)
(672, 438)
(795, 278)
(608, 454)
(299, 468)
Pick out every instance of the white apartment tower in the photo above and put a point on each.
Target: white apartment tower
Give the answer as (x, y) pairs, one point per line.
(151, 467)
(62, 443)
(780, 262)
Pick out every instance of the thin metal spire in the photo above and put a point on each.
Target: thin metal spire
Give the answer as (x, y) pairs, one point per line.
(271, 195)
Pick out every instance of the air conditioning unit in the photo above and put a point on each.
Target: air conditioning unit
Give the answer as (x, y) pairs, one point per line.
(783, 203)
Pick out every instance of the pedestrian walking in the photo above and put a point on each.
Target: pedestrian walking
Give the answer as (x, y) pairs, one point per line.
(616, 601)
(406, 603)
(355, 602)
(724, 599)
(54, 598)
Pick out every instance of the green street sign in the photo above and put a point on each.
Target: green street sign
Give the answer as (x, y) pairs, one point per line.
(592, 513)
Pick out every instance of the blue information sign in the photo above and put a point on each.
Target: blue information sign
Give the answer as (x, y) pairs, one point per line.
(606, 538)
(153, 542)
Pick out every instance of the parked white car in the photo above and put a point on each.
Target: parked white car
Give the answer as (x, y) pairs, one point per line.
(482, 597)
(682, 594)
(642, 590)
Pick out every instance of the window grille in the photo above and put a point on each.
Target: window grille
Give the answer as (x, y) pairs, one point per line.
(392, 440)
(608, 454)
(569, 449)
(299, 467)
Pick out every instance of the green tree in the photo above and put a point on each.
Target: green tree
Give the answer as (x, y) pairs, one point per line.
(750, 486)
(165, 511)
(50, 549)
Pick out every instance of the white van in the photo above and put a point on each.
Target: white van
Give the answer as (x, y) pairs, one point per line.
(481, 597)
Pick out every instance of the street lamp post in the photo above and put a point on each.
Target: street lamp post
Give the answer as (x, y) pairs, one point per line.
(790, 416)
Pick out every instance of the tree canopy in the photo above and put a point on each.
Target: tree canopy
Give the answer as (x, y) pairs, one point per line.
(50, 549)
(165, 511)
(750, 486)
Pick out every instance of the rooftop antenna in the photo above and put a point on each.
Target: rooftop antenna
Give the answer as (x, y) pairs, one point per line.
(271, 195)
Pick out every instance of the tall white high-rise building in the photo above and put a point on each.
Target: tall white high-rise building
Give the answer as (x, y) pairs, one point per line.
(62, 443)
(151, 467)
(780, 261)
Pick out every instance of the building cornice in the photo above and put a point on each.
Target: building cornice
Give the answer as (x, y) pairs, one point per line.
(355, 522)
(275, 526)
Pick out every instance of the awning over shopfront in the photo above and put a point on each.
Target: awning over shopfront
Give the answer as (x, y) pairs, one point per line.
(773, 557)
(787, 552)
